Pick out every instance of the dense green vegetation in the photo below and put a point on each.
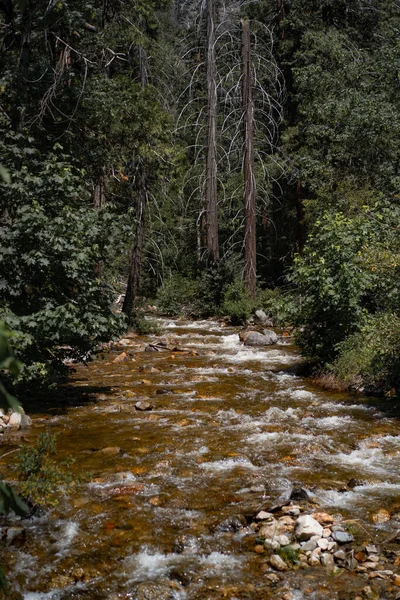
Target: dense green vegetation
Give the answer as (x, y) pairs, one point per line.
(109, 168)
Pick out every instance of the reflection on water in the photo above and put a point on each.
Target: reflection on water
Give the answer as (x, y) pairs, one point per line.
(231, 428)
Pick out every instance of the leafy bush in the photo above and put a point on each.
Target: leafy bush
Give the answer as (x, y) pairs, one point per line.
(236, 303)
(40, 476)
(177, 296)
(144, 326)
(371, 357)
(213, 283)
(51, 244)
(280, 306)
(332, 284)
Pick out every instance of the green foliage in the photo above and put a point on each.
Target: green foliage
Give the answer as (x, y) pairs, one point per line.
(236, 303)
(39, 475)
(371, 356)
(289, 554)
(51, 245)
(9, 366)
(10, 500)
(281, 306)
(144, 326)
(177, 296)
(212, 285)
(332, 284)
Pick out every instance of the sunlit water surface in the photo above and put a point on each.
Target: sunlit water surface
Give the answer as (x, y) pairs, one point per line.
(232, 428)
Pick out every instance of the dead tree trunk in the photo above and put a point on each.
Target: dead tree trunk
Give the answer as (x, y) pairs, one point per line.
(132, 287)
(211, 167)
(250, 272)
(140, 185)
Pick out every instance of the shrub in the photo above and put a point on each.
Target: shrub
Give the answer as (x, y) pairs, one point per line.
(280, 306)
(144, 326)
(177, 295)
(371, 356)
(236, 303)
(40, 476)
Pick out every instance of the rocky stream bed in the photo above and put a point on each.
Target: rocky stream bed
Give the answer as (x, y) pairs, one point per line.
(216, 471)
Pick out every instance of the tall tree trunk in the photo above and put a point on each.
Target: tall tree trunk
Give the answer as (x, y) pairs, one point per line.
(301, 234)
(250, 271)
(132, 287)
(211, 167)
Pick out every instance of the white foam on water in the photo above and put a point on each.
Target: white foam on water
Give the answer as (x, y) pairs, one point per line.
(65, 536)
(149, 566)
(302, 395)
(363, 460)
(217, 562)
(277, 437)
(54, 594)
(228, 464)
(276, 414)
(268, 357)
(333, 422)
(231, 341)
(339, 406)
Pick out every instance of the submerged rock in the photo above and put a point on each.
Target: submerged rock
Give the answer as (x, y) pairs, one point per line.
(143, 406)
(121, 358)
(111, 451)
(150, 590)
(234, 523)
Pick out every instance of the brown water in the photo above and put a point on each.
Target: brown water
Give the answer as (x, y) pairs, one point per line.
(233, 429)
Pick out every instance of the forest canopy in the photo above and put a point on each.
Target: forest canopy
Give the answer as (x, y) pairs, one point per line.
(218, 156)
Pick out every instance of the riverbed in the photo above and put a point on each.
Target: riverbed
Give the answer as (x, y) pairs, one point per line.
(226, 430)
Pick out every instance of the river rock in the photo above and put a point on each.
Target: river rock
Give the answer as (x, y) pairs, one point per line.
(342, 537)
(306, 527)
(271, 335)
(234, 523)
(381, 516)
(143, 406)
(15, 420)
(254, 338)
(278, 563)
(314, 561)
(264, 516)
(151, 590)
(308, 546)
(326, 559)
(121, 358)
(262, 318)
(16, 536)
(26, 421)
(323, 518)
(111, 451)
(323, 543)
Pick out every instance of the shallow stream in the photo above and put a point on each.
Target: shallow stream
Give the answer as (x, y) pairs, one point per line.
(231, 430)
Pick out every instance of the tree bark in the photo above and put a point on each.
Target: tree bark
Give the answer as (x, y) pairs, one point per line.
(133, 284)
(132, 287)
(211, 167)
(250, 271)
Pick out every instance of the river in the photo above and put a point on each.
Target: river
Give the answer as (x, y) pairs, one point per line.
(231, 429)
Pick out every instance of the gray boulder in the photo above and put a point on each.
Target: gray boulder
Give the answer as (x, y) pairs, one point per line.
(263, 318)
(254, 338)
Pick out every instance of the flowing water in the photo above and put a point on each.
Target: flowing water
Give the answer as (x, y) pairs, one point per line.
(232, 429)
